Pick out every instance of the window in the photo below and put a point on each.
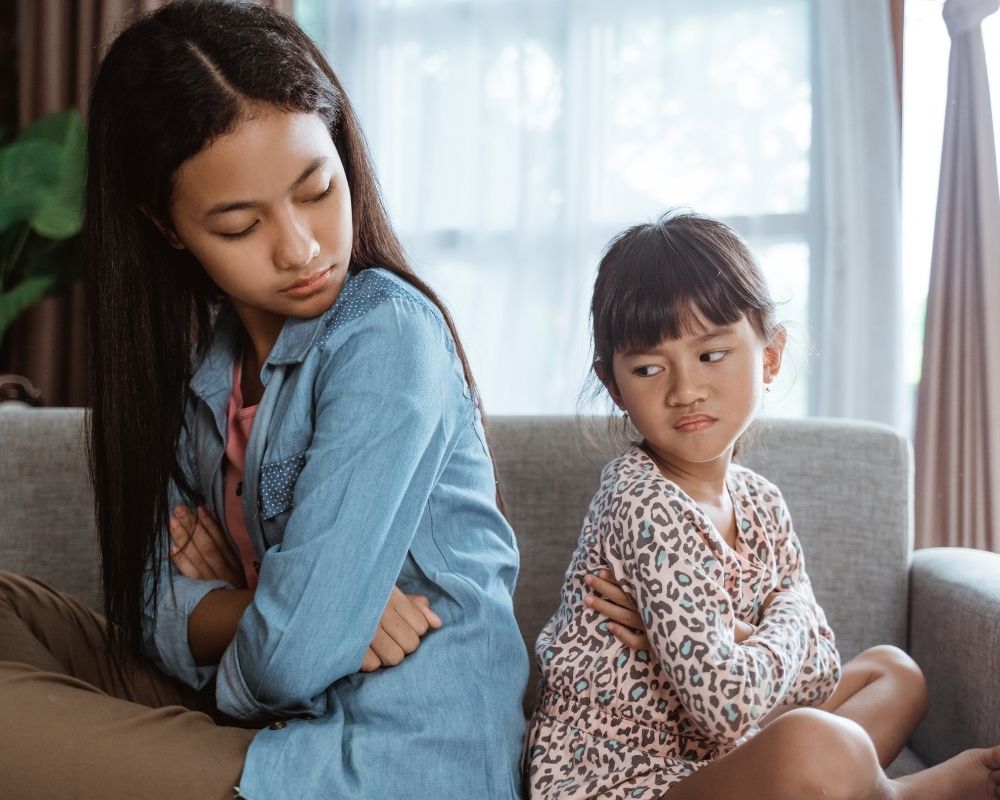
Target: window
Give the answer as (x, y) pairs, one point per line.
(513, 139)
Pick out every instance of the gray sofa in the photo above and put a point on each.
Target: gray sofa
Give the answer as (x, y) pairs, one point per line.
(848, 486)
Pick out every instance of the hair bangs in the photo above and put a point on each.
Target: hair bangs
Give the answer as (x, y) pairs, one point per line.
(660, 288)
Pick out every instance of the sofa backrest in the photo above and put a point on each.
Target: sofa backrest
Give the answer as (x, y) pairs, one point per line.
(847, 484)
(46, 504)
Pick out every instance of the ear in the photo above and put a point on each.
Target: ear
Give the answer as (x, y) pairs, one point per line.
(167, 230)
(773, 352)
(606, 376)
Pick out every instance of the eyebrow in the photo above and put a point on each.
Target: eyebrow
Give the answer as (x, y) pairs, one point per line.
(239, 205)
(718, 333)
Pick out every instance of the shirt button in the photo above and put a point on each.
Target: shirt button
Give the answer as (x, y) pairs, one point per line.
(277, 725)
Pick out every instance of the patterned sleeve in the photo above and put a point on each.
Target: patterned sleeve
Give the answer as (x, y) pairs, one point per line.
(725, 687)
(820, 672)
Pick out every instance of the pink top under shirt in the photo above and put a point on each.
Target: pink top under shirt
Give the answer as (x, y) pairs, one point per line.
(239, 424)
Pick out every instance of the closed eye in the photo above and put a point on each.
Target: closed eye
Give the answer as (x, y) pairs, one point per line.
(246, 232)
(713, 355)
(322, 195)
(239, 234)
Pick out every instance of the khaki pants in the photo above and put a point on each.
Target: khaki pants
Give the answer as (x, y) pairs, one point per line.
(74, 726)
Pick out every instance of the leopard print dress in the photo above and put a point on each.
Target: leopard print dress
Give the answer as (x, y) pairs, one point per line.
(613, 723)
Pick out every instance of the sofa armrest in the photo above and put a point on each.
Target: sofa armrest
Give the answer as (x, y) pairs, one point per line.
(955, 638)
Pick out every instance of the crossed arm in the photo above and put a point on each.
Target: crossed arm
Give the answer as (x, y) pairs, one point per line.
(201, 551)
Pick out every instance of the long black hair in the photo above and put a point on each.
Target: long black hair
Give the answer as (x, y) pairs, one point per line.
(170, 84)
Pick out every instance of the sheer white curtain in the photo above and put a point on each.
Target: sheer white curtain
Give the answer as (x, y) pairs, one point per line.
(860, 368)
(513, 138)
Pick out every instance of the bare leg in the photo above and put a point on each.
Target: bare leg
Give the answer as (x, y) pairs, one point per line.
(807, 753)
(883, 690)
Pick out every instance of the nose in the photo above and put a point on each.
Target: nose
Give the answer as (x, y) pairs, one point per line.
(685, 389)
(296, 246)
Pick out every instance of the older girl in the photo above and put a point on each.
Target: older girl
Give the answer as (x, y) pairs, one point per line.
(262, 348)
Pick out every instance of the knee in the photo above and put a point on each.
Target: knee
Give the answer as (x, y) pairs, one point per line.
(891, 662)
(825, 756)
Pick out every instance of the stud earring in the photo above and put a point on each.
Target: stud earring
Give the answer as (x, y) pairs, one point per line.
(625, 415)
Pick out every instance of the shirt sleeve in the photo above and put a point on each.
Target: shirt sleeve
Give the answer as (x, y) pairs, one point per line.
(725, 687)
(820, 671)
(384, 427)
(165, 618)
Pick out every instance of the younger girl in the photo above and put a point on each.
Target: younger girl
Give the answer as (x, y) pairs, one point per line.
(262, 348)
(738, 690)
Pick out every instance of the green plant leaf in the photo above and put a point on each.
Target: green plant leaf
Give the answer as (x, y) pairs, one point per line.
(29, 172)
(61, 215)
(22, 296)
(41, 185)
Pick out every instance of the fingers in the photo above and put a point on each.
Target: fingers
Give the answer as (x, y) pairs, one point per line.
(185, 550)
(407, 612)
(625, 623)
(401, 630)
(201, 550)
(616, 613)
(185, 565)
(613, 603)
(637, 640)
(424, 606)
(371, 662)
(212, 543)
(207, 526)
(608, 588)
(406, 618)
(389, 652)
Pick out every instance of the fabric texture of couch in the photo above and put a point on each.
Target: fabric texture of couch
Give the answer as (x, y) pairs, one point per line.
(848, 486)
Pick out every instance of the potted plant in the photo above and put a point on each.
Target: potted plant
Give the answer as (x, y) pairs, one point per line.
(41, 211)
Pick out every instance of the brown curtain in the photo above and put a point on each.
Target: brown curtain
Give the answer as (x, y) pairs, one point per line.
(60, 44)
(957, 442)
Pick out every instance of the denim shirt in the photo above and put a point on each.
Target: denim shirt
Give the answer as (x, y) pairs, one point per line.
(366, 468)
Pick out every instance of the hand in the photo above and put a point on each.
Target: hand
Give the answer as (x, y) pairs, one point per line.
(626, 625)
(743, 631)
(201, 550)
(406, 618)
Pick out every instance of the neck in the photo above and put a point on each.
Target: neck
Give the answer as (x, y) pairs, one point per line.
(703, 482)
(262, 329)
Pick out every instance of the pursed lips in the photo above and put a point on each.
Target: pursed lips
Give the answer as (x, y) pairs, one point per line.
(693, 422)
(307, 281)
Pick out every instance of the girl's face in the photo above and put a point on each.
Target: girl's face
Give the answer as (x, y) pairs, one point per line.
(691, 398)
(266, 210)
